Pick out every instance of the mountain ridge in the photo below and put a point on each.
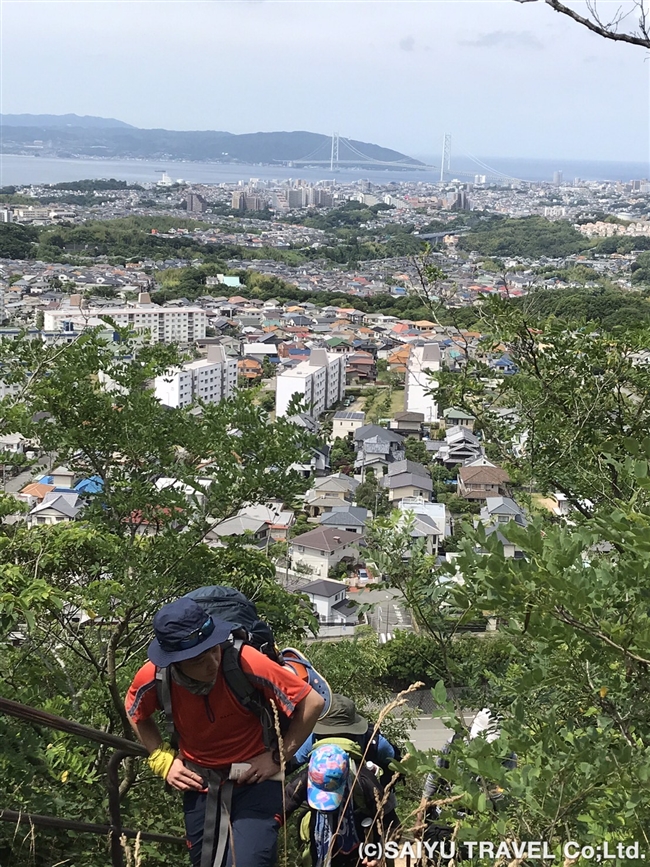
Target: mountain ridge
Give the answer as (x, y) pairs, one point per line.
(54, 138)
(54, 121)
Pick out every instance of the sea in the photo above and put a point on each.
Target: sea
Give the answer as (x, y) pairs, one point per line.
(18, 170)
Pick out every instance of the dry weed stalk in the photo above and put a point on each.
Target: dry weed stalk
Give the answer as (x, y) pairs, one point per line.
(278, 731)
(133, 858)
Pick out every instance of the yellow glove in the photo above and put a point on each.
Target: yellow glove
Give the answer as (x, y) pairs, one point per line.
(160, 760)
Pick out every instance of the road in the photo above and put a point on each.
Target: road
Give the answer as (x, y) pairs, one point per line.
(389, 612)
(431, 734)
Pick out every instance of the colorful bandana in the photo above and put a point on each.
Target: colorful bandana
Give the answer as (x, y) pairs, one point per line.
(329, 768)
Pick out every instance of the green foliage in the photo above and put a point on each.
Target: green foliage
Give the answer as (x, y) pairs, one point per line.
(94, 184)
(373, 496)
(136, 545)
(475, 660)
(342, 456)
(416, 450)
(570, 680)
(606, 307)
(531, 237)
(16, 241)
(641, 269)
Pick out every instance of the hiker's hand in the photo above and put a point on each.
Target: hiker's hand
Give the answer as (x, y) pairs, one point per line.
(181, 778)
(261, 768)
(370, 863)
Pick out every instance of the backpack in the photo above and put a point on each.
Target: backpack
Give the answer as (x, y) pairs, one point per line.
(228, 604)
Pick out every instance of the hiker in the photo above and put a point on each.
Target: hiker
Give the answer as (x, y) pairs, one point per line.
(226, 822)
(342, 804)
(485, 725)
(343, 721)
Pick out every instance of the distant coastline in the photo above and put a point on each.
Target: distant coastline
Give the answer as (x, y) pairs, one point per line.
(25, 169)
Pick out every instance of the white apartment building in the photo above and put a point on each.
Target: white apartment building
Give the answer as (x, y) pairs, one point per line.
(319, 382)
(164, 324)
(423, 360)
(210, 380)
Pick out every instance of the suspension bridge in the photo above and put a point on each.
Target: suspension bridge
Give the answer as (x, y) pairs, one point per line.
(343, 153)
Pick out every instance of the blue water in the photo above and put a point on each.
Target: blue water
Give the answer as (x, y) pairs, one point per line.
(20, 170)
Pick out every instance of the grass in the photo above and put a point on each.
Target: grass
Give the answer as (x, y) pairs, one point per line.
(397, 401)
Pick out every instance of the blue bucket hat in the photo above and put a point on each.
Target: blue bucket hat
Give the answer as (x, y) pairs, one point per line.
(184, 630)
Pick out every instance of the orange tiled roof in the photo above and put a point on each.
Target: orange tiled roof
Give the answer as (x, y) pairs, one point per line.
(37, 489)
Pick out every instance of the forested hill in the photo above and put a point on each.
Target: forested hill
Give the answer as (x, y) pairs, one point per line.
(219, 146)
(52, 121)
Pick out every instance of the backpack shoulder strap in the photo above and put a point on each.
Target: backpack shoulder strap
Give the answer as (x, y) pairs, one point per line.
(246, 693)
(163, 689)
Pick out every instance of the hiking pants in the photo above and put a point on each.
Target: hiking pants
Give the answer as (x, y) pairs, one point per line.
(254, 829)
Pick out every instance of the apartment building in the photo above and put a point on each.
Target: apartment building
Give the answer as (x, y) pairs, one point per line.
(319, 382)
(210, 380)
(422, 362)
(164, 324)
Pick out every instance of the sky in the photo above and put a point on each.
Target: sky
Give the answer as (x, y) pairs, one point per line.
(504, 78)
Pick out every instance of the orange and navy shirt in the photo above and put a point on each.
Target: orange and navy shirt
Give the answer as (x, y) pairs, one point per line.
(214, 730)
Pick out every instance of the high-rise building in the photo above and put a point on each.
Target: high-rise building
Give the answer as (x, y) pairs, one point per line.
(296, 198)
(196, 204)
(164, 324)
(319, 382)
(254, 203)
(210, 380)
(238, 202)
(422, 362)
(557, 178)
(461, 201)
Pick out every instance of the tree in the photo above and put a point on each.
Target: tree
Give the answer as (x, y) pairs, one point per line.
(82, 594)
(416, 450)
(342, 456)
(574, 701)
(372, 496)
(608, 29)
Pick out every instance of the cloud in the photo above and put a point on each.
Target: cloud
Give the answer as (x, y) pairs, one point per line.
(504, 39)
(407, 44)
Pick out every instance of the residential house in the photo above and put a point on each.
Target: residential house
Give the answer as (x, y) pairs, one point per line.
(460, 446)
(504, 366)
(330, 492)
(408, 423)
(501, 510)
(54, 508)
(407, 479)
(15, 443)
(321, 549)
(431, 521)
(331, 606)
(344, 424)
(481, 482)
(352, 518)
(361, 367)
(423, 362)
(255, 530)
(376, 448)
(458, 417)
(498, 512)
(250, 369)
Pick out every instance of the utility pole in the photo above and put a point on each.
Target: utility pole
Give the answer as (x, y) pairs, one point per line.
(445, 161)
(334, 157)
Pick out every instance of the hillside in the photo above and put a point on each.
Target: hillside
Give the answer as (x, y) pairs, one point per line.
(56, 121)
(122, 141)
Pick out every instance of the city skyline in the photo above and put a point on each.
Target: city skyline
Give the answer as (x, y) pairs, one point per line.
(505, 79)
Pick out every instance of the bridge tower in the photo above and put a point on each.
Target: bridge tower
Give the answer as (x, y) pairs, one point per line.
(334, 158)
(445, 161)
